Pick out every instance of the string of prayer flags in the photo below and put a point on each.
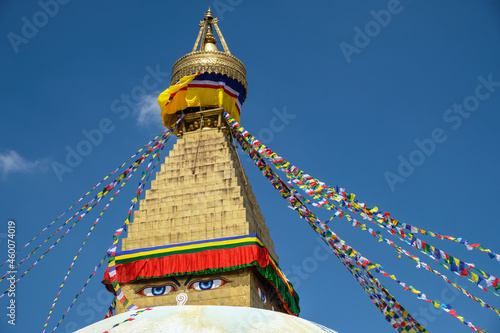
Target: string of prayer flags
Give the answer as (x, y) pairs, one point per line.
(432, 252)
(317, 189)
(335, 243)
(153, 148)
(82, 197)
(397, 316)
(111, 309)
(79, 293)
(89, 207)
(251, 146)
(129, 175)
(423, 264)
(131, 317)
(116, 236)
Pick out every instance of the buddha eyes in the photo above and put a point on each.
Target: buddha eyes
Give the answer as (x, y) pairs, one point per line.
(272, 300)
(199, 285)
(208, 284)
(262, 295)
(157, 290)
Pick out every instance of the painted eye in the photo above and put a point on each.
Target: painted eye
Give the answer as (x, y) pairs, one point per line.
(208, 284)
(262, 295)
(156, 290)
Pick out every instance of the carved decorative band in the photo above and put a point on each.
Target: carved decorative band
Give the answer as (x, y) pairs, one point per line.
(212, 61)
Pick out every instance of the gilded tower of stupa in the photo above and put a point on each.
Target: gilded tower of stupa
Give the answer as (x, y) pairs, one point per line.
(198, 256)
(199, 229)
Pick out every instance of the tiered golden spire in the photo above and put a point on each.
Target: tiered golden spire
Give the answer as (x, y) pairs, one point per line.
(205, 57)
(206, 31)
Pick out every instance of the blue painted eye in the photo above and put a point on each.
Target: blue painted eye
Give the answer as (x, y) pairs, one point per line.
(156, 290)
(208, 284)
(204, 285)
(262, 295)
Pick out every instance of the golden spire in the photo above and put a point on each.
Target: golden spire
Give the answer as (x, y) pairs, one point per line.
(209, 41)
(207, 31)
(208, 14)
(205, 57)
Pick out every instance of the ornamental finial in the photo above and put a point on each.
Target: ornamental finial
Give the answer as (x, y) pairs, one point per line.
(205, 57)
(208, 15)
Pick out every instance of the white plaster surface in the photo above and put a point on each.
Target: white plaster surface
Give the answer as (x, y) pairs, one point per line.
(206, 319)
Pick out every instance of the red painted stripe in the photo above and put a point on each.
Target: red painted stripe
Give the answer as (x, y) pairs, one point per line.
(190, 263)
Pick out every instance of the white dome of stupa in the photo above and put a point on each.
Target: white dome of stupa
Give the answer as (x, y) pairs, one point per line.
(205, 319)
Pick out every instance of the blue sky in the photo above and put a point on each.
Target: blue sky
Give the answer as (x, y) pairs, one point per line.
(395, 101)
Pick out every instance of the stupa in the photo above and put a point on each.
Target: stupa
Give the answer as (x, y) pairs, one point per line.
(199, 239)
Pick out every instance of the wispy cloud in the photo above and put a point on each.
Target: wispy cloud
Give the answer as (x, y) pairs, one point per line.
(11, 162)
(148, 111)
